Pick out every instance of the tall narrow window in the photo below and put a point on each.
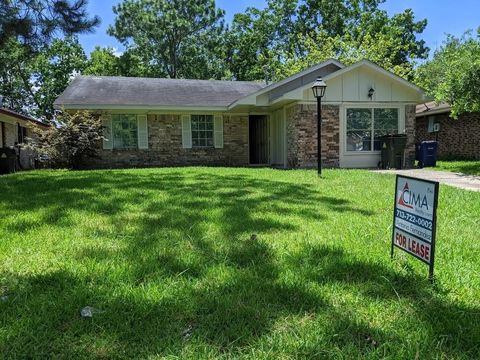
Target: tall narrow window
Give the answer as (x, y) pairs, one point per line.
(22, 134)
(125, 131)
(359, 129)
(385, 123)
(202, 131)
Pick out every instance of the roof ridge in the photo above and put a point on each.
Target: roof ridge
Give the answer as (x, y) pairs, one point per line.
(170, 79)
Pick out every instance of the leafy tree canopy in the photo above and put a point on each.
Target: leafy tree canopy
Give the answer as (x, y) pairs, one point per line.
(178, 38)
(453, 75)
(34, 22)
(290, 32)
(30, 84)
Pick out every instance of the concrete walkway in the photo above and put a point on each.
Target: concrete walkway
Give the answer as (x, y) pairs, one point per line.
(459, 180)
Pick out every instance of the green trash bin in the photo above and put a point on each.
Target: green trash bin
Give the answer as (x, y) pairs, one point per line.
(8, 159)
(392, 151)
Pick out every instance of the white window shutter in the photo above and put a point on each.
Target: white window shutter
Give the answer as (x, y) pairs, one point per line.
(142, 131)
(186, 131)
(218, 131)
(107, 132)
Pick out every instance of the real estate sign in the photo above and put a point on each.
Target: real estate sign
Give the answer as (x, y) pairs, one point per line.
(414, 218)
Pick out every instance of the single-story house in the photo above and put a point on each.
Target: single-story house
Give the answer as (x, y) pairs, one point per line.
(15, 128)
(172, 122)
(457, 138)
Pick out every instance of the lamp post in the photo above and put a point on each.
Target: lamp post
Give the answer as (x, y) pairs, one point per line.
(318, 89)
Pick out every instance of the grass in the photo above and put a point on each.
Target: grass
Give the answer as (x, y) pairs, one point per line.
(469, 167)
(167, 256)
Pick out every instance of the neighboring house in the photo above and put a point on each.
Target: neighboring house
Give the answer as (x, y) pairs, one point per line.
(15, 128)
(168, 122)
(457, 138)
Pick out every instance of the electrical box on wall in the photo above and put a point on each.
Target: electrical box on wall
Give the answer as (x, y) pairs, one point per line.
(436, 127)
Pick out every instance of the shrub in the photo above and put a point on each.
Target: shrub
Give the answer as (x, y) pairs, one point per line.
(75, 137)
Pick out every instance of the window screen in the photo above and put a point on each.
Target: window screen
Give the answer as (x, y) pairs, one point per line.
(202, 130)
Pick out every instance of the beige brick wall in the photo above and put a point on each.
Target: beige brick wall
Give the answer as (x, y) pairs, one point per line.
(165, 146)
(456, 139)
(302, 136)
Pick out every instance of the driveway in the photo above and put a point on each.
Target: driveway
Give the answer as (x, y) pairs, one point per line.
(459, 180)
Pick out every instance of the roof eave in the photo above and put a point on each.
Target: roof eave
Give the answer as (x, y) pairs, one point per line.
(139, 107)
(284, 81)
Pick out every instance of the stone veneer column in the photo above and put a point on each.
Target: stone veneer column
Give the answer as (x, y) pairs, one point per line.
(302, 136)
(410, 132)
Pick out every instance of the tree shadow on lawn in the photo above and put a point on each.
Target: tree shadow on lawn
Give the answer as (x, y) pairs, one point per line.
(186, 197)
(225, 316)
(230, 315)
(218, 287)
(452, 328)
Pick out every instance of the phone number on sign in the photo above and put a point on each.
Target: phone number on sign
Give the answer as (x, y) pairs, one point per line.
(427, 224)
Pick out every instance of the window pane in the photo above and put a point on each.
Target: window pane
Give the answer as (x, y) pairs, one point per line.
(385, 123)
(124, 132)
(359, 119)
(386, 119)
(359, 129)
(359, 140)
(202, 130)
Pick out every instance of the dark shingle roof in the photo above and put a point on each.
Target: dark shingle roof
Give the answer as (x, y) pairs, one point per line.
(115, 90)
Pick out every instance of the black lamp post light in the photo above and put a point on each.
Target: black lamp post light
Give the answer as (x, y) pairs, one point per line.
(318, 89)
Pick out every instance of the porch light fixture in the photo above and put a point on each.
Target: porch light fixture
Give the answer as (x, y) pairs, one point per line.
(318, 89)
(370, 93)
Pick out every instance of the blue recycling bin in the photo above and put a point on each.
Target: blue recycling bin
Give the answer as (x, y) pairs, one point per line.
(426, 153)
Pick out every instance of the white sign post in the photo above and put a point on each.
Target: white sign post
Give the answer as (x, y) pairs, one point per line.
(415, 218)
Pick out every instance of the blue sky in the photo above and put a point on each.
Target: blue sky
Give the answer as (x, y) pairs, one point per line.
(444, 16)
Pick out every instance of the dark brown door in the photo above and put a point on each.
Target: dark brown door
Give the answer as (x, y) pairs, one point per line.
(258, 139)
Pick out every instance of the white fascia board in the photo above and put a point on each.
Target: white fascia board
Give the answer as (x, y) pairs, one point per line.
(142, 108)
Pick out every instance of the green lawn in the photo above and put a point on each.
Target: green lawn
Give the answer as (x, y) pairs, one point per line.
(166, 254)
(469, 167)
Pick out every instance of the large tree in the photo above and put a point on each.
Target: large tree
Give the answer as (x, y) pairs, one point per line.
(52, 70)
(453, 74)
(179, 38)
(34, 22)
(38, 51)
(280, 34)
(106, 62)
(30, 83)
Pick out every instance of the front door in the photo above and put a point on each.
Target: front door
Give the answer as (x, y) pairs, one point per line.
(258, 137)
